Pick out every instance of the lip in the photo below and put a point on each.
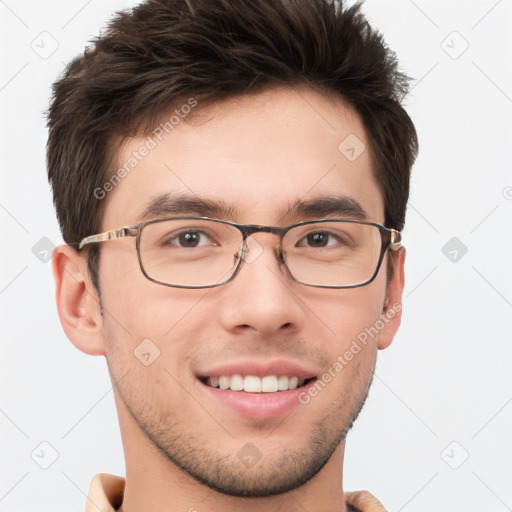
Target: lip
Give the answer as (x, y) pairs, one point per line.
(256, 405)
(258, 368)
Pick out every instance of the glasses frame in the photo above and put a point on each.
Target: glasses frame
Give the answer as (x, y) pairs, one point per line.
(390, 239)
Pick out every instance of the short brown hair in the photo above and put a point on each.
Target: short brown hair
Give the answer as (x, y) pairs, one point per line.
(160, 53)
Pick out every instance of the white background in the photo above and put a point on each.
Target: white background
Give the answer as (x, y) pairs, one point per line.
(442, 391)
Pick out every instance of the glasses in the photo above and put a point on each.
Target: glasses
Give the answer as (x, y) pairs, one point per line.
(199, 252)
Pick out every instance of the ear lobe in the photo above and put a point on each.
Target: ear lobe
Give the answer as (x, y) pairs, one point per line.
(77, 300)
(392, 312)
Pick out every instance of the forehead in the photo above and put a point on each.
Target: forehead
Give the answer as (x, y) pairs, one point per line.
(256, 156)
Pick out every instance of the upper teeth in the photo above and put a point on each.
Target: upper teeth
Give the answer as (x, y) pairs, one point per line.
(255, 384)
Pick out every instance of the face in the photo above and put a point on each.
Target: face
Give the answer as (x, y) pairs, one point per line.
(254, 157)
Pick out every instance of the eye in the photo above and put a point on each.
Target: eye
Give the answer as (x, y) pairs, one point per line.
(320, 239)
(189, 239)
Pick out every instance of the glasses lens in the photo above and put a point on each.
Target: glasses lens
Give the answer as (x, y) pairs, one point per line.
(189, 252)
(333, 253)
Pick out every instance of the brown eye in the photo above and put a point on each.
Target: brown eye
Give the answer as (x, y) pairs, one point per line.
(318, 239)
(189, 239)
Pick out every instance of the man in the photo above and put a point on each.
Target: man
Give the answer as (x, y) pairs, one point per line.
(231, 179)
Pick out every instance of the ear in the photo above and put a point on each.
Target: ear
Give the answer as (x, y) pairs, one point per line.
(392, 312)
(78, 303)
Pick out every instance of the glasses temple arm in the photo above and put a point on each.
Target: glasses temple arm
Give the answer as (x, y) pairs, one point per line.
(108, 235)
(395, 240)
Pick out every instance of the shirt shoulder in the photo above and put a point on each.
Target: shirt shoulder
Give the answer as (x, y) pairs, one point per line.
(105, 493)
(363, 501)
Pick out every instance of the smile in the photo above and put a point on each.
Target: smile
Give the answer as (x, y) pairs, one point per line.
(254, 383)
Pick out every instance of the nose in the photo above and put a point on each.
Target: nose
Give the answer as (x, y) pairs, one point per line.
(262, 298)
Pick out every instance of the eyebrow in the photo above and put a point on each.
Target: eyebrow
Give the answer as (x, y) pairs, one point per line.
(327, 206)
(170, 204)
(316, 208)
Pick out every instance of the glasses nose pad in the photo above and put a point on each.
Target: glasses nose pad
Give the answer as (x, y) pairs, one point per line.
(240, 251)
(280, 256)
(249, 250)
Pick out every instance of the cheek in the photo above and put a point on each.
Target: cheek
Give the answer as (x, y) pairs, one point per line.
(146, 349)
(137, 307)
(146, 322)
(346, 315)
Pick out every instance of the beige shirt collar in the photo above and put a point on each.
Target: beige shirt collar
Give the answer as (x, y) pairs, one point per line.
(106, 495)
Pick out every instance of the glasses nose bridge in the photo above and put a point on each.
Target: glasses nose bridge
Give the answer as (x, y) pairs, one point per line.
(251, 229)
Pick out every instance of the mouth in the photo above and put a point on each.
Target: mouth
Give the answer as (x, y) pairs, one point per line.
(257, 389)
(262, 398)
(267, 384)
